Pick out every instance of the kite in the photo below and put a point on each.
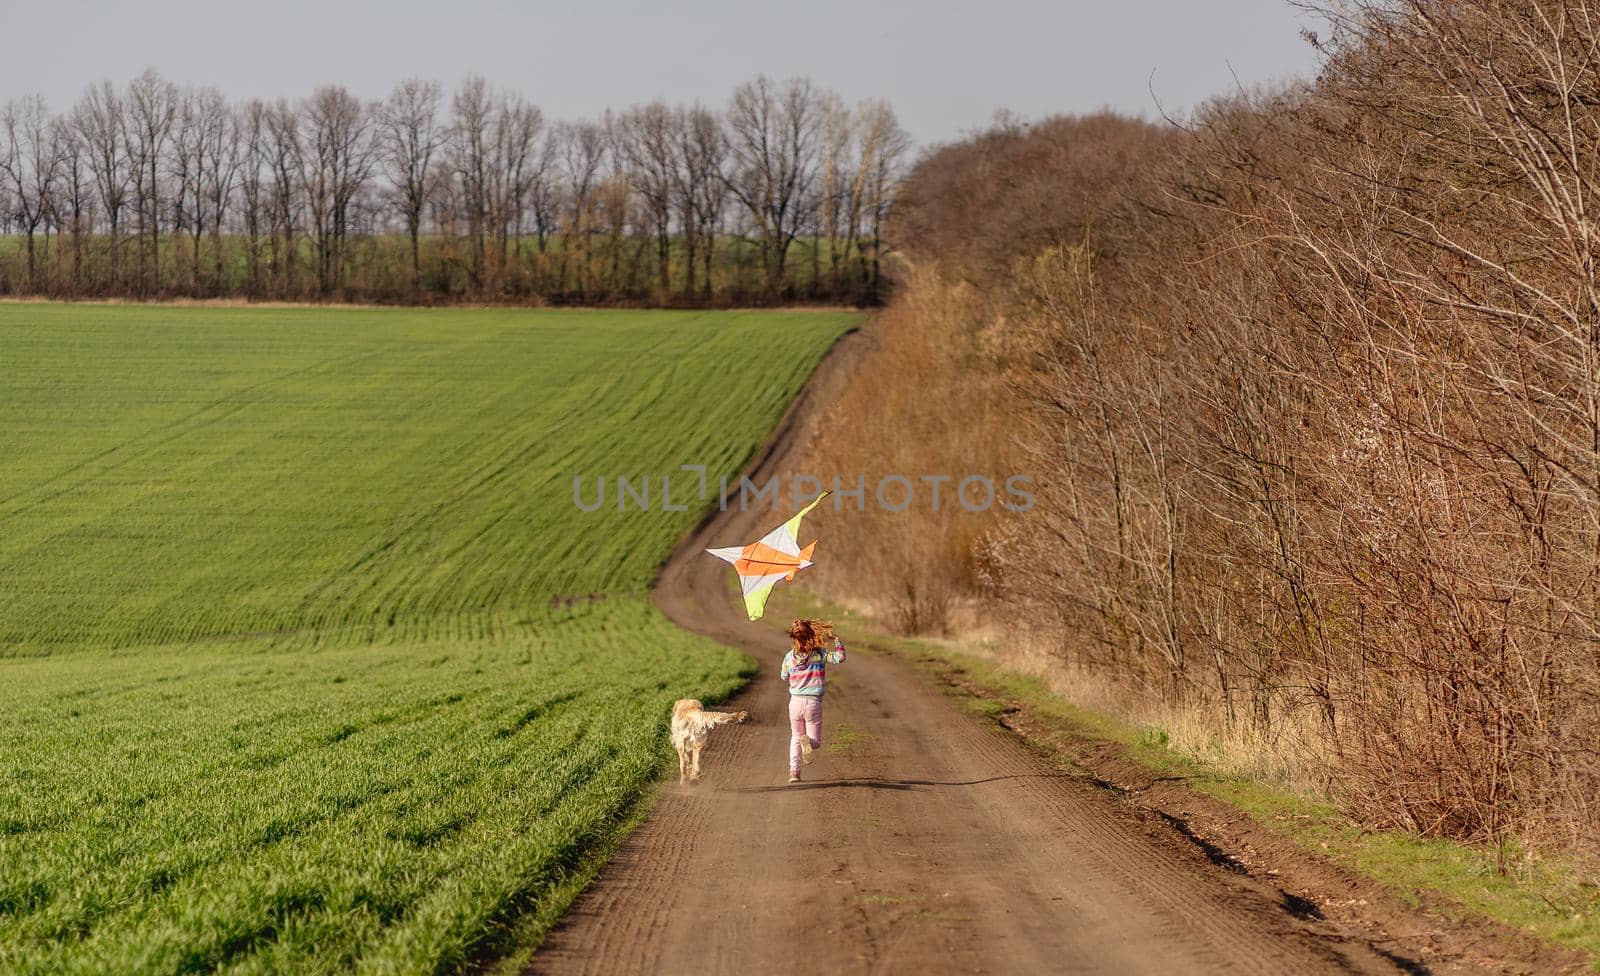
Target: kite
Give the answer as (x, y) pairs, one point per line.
(775, 556)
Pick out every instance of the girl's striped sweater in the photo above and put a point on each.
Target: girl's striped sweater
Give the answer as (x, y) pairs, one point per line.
(807, 674)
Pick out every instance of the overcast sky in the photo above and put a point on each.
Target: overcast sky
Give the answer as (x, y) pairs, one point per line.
(946, 65)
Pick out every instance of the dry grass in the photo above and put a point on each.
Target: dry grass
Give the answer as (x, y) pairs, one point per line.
(1294, 756)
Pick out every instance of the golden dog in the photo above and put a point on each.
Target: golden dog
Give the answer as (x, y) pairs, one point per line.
(691, 726)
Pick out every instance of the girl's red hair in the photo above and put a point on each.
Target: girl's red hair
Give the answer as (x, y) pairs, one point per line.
(810, 635)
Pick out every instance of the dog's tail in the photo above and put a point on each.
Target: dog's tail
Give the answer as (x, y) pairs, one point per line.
(704, 720)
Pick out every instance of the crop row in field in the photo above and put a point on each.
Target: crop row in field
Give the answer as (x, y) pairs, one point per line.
(289, 682)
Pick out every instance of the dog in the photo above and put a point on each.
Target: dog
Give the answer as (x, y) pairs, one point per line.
(691, 726)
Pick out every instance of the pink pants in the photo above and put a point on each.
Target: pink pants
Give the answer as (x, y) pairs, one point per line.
(805, 721)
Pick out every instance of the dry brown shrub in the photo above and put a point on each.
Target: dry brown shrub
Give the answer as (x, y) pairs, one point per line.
(1312, 390)
(927, 400)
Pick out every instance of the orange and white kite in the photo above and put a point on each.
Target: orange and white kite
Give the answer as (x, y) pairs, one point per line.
(775, 556)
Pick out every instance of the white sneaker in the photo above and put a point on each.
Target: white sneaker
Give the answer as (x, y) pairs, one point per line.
(805, 751)
(794, 777)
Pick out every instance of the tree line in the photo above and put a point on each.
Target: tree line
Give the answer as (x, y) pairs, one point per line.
(1310, 385)
(155, 190)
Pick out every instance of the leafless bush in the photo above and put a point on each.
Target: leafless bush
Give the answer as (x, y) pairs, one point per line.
(928, 399)
(1311, 390)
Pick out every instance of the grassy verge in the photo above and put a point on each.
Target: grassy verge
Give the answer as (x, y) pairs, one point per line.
(1554, 901)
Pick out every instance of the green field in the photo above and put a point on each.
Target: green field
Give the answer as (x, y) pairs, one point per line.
(308, 660)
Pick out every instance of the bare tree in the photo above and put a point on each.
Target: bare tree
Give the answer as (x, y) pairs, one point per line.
(337, 166)
(702, 190)
(224, 147)
(284, 159)
(773, 163)
(206, 146)
(152, 108)
(410, 135)
(582, 148)
(544, 188)
(250, 124)
(188, 169)
(883, 148)
(517, 167)
(76, 194)
(32, 161)
(472, 111)
(647, 138)
(616, 214)
(834, 194)
(100, 125)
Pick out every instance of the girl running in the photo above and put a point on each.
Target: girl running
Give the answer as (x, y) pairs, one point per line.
(805, 668)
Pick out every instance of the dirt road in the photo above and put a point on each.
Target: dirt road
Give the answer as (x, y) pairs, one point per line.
(924, 841)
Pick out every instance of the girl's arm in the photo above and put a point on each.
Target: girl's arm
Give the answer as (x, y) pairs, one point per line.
(783, 672)
(836, 656)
